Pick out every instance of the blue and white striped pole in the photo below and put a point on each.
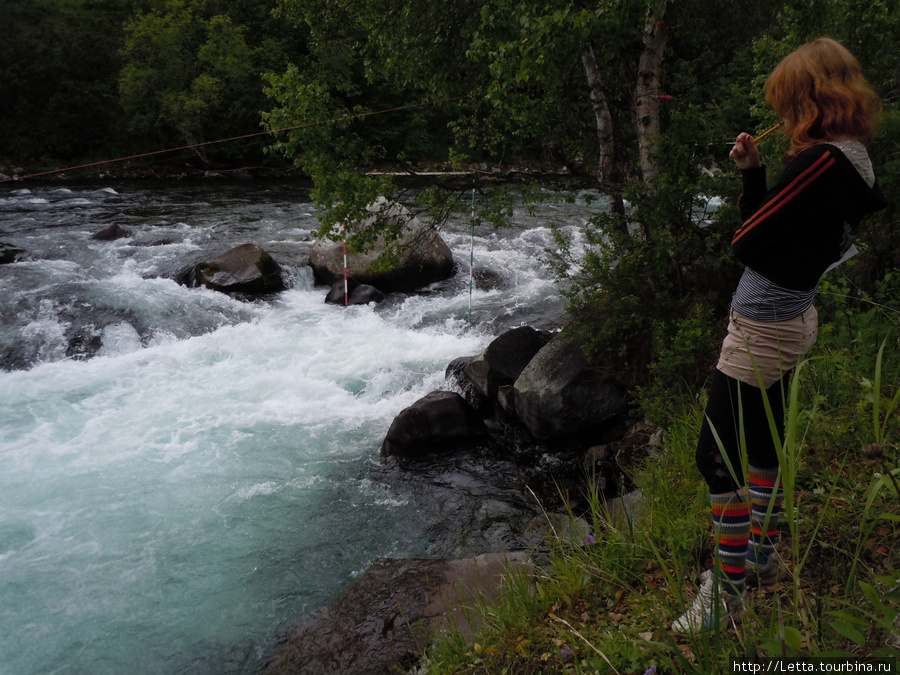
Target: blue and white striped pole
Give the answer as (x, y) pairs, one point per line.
(472, 256)
(346, 293)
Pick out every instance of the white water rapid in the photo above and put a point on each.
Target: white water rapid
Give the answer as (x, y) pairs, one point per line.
(205, 476)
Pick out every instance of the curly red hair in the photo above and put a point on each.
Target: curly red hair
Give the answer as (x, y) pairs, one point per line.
(821, 93)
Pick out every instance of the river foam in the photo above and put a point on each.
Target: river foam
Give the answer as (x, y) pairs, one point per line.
(168, 503)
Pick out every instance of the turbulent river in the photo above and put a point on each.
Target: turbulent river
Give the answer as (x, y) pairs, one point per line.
(183, 472)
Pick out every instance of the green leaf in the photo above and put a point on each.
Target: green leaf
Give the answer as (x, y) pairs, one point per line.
(793, 638)
(892, 596)
(871, 593)
(849, 618)
(849, 632)
(833, 654)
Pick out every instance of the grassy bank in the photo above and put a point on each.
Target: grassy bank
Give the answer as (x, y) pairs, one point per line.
(604, 604)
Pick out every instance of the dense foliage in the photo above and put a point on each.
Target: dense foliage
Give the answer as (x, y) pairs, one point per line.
(635, 97)
(94, 79)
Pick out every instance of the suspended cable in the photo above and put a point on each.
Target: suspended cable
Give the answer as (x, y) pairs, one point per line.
(204, 144)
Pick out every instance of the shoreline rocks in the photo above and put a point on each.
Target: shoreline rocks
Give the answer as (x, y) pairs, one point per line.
(435, 422)
(396, 610)
(527, 395)
(560, 393)
(504, 359)
(111, 233)
(540, 384)
(357, 293)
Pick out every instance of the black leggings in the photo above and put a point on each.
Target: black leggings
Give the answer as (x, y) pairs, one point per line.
(722, 413)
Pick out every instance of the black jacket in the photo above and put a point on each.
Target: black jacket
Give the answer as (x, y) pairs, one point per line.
(792, 233)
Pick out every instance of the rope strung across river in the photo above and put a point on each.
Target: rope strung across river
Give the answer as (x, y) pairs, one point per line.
(235, 138)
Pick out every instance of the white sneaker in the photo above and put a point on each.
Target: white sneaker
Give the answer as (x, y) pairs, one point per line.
(710, 609)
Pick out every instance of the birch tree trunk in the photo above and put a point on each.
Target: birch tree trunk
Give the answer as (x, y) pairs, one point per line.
(647, 88)
(608, 175)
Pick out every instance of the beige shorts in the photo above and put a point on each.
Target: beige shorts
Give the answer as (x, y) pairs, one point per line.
(765, 350)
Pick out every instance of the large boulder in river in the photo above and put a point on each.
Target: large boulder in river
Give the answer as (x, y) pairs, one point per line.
(440, 420)
(423, 257)
(243, 270)
(504, 359)
(560, 393)
(456, 374)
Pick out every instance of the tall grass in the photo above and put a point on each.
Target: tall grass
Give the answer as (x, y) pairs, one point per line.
(604, 603)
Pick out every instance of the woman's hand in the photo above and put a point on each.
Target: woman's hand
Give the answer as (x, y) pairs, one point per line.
(745, 153)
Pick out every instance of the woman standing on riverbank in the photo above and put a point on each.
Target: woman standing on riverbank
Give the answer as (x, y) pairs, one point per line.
(790, 236)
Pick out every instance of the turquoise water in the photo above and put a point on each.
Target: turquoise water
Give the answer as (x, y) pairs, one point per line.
(168, 504)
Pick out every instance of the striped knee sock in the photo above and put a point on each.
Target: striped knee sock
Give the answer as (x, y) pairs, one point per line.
(766, 496)
(731, 525)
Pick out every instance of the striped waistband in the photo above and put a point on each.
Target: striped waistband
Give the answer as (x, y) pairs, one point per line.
(763, 300)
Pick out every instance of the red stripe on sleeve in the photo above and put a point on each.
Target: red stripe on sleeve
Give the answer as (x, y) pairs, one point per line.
(785, 196)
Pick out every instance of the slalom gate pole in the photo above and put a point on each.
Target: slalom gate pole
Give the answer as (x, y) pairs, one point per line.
(346, 293)
(472, 255)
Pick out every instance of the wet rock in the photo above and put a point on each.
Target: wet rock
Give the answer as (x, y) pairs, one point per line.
(597, 455)
(87, 327)
(10, 253)
(504, 359)
(423, 258)
(472, 500)
(455, 374)
(438, 421)
(488, 280)
(506, 401)
(165, 241)
(599, 465)
(243, 270)
(396, 610)
(357, 293)
(84, 343)
(111, 233)
(560, 393)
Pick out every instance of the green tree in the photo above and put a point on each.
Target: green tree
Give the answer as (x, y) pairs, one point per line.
(193, 69)
(327, 100)
(578, 80)
(510, 77)
(186, 78)
(58, 66)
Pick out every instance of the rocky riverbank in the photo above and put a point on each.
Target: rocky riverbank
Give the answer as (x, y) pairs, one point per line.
(532, 394)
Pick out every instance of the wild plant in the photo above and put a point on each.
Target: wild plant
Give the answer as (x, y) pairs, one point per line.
(602, 601)
(873, 627)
